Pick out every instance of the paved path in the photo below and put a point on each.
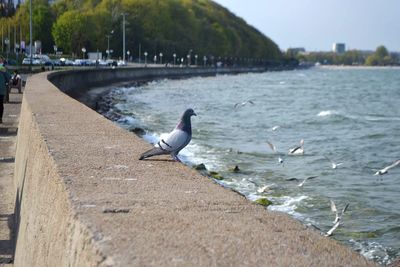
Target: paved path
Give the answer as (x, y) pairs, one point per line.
(8, 134)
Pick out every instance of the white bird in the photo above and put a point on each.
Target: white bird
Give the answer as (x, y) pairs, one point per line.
(273, 148)
(338, 218)
(298, 150)
(237, 105)
(334, 210)
(276, 127)
(263, 189)
(302, 182)
(334, 164)
(385, 170)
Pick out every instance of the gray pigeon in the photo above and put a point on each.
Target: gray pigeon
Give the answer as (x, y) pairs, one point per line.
(175, 141)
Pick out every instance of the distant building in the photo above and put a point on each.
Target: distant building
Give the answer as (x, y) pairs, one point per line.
(339, 48)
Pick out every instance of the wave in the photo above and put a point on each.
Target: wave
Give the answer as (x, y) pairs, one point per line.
(326, 113)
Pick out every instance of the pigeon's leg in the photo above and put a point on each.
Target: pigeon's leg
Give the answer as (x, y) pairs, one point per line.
(175, 157)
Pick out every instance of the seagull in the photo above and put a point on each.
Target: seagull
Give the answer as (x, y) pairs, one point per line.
(175, 141)
(263, 189)
(334, 210)
(338, 218)
(273, 147)
(333, 164)
(302, 183)
(237, 105)
(276, 127)
(385, 170)
(299, 150)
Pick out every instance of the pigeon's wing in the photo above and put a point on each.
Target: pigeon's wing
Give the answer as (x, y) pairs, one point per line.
(251, 102)
(153, 152)
(272, 146)
(175, 141)
(292, 179)
(311, 177)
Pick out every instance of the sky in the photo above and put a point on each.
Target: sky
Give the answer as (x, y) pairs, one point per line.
(317, 24)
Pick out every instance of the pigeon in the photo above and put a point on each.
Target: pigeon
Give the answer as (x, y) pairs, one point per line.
(299, 150)
(333, 164)
(338, 218)
(302, 182)
(273, 147)
(175, 141)
(244, 103)
(385, 170)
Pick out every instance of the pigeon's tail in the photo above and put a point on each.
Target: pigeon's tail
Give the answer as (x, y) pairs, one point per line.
(152, 152)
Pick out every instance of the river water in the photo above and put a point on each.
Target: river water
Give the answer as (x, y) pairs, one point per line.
(349, 115)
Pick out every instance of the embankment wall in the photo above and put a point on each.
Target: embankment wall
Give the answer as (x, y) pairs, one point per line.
(83, 198)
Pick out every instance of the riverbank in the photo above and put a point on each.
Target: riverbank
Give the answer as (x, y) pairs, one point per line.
(84, 199)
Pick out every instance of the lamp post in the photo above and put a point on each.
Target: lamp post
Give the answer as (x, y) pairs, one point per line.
(155, 59)
(174, 55)
(123, 36)
(161, 54)
(83, 52)
(55, 49)
(188, 60)
(30, 34)
(195, 59)
(108, 44)
(145, 59)
(204, 61)
(128, 53)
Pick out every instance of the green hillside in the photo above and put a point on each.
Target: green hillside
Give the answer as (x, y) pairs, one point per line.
(167, 26)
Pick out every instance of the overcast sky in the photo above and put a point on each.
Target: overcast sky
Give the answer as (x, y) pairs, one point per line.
(316, 24)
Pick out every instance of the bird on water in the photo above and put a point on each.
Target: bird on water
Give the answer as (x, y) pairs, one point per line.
(176, 140)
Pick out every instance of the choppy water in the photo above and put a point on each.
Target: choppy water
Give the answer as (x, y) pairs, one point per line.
(349, 115)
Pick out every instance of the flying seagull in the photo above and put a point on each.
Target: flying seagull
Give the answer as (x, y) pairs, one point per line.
(302, 182)
(273, 147)
(334, 210)
(175, 141)
(334, 164)
(244, 103)
(385, 170)
(298, 150)
(338, 218)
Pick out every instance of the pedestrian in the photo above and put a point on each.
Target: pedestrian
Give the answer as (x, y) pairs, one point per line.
(4, 80)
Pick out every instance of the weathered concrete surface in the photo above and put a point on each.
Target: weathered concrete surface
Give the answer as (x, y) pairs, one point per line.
(8, 136)
(85, 200)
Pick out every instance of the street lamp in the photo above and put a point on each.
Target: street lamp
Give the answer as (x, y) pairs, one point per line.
(155, 59)
(174, 55)
(128, 53)
(145, 59)
(195, 59)
(55, 49)
(161, 58)
(205, 60)
(188, 60)
(108, 43)
(83, 52)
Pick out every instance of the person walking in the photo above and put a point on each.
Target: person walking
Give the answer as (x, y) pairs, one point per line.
(4, 80)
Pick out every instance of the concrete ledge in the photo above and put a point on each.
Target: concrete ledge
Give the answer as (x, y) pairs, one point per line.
(83, 198)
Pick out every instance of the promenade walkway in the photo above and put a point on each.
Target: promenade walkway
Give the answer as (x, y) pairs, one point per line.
(8, 134)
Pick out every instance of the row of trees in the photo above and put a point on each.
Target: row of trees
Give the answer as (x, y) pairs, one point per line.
(381, 57)
(170, 26)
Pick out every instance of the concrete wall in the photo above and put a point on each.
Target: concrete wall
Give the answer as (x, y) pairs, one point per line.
(85, 200)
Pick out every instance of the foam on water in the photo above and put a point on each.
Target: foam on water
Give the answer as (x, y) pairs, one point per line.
(326, 113)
